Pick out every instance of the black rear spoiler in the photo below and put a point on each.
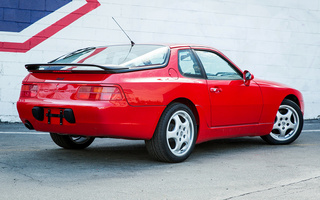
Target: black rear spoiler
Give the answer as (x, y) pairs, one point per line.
(105, 69)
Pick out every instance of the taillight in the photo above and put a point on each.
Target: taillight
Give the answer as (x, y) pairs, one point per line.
(99, 93)
(29, 90)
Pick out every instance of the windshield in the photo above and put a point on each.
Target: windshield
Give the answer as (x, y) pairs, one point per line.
(121, 56)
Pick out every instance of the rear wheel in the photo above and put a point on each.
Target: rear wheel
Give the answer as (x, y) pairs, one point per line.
(287, 125)
(71, 142)
(175, 136)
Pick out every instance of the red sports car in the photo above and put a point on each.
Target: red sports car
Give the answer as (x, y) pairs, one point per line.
(171, 96)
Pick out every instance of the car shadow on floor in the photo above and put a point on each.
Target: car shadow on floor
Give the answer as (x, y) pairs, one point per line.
(231, 144)
(134, 152)
(111, 158)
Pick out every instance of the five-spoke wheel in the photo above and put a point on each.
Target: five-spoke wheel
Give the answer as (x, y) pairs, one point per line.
(287, 125)
(175, 136)
(180, 133)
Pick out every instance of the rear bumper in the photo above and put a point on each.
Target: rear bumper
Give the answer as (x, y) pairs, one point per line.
(93, 118)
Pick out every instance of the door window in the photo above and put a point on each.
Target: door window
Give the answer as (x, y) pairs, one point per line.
(217, 68)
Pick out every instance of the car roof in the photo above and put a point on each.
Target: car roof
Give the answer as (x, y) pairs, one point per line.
(170, 45)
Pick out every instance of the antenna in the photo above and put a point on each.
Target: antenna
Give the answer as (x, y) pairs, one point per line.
(132, 43)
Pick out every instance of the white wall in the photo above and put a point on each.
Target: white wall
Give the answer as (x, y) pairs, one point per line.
(277, 40)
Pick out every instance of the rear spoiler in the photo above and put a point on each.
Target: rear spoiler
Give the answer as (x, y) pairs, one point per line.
(105, 69)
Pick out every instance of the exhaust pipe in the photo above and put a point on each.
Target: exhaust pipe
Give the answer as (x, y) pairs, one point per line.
(28, 125)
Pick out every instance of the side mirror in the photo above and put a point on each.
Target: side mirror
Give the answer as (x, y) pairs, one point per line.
(247, 77)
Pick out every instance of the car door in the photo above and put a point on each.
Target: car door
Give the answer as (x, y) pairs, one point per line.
(232, 102)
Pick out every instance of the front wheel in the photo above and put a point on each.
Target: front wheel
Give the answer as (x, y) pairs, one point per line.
(287, 125)
(71, 142)
(175, 136)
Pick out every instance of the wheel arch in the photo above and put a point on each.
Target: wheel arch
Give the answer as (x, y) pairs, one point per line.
(294, 99)
(191, 105)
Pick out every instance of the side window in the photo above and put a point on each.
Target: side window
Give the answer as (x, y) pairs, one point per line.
(217, 68)
(188, 65)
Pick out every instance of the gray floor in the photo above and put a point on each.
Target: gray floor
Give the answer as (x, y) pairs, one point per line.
(33, 167)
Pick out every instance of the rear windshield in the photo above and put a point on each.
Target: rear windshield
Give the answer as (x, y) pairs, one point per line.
(116, 56)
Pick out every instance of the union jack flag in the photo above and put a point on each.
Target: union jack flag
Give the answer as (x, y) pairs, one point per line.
(20, 20)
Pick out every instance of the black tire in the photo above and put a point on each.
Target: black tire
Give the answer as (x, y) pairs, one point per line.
(175, 135)
(71, 142)
(287, 124)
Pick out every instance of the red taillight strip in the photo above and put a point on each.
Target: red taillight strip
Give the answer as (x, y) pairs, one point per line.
(100, 93)
(29, 90)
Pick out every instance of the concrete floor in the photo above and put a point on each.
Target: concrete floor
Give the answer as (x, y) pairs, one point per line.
(33, 167)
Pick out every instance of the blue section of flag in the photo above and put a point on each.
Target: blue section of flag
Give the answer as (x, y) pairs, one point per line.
(16, 15)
